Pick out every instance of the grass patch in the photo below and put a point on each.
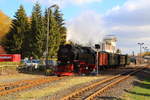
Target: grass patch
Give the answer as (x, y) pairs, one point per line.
(9, 63)
(141, 91)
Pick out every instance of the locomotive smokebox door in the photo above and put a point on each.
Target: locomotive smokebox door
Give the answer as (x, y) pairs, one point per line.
(97, 46)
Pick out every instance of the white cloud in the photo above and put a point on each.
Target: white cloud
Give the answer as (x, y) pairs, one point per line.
(130, 23)
(86, 28)
(133, 12)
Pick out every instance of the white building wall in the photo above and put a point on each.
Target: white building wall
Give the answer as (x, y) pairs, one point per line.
(109, 44)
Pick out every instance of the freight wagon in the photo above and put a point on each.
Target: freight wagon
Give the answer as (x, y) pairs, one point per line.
(122, 60)
(103, 60)
(10, 57)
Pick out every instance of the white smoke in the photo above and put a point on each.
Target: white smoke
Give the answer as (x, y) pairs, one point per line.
(86, 29)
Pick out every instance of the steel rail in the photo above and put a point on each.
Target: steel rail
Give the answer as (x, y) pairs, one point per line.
(78, 92)
(18, 83)
(122, 78)
(29, 85)
(5, 86)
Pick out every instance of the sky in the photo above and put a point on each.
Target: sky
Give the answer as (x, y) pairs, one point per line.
(89, 21)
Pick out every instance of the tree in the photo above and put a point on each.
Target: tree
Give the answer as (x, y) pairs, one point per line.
(62, 29)
(14, 40)
(5, 22)
(145, 54)
(29, 37)
(37, 32)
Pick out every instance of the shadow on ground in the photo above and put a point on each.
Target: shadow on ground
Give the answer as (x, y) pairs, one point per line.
(109, 98)
(144, 76)
(136, 93)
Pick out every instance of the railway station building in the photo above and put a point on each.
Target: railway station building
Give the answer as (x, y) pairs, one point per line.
(109, 44)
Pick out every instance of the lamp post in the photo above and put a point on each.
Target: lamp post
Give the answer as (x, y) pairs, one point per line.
(140, 44)
(47, 36)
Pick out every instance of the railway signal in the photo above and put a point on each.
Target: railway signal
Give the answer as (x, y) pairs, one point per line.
(97, 47)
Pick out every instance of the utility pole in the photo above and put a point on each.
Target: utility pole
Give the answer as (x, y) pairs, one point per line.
(47, 36)
(140, 44)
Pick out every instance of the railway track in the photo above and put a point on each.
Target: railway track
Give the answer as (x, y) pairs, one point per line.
(90, 92)
(24, 84)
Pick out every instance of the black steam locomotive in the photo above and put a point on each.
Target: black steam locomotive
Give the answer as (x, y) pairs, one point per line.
(82, 60)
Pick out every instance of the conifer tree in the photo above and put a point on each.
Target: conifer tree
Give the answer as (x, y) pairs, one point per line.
(62, 29)
(37, 32)
(29, 39)
(14, 40)
(45, 29)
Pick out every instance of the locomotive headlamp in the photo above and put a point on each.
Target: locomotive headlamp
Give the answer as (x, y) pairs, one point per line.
(97, 46)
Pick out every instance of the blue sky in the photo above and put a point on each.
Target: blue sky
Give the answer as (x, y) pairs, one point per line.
(11, 6)
(100, 7)
(91, 20)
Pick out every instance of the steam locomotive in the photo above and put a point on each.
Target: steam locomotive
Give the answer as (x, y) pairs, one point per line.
(78, 60)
